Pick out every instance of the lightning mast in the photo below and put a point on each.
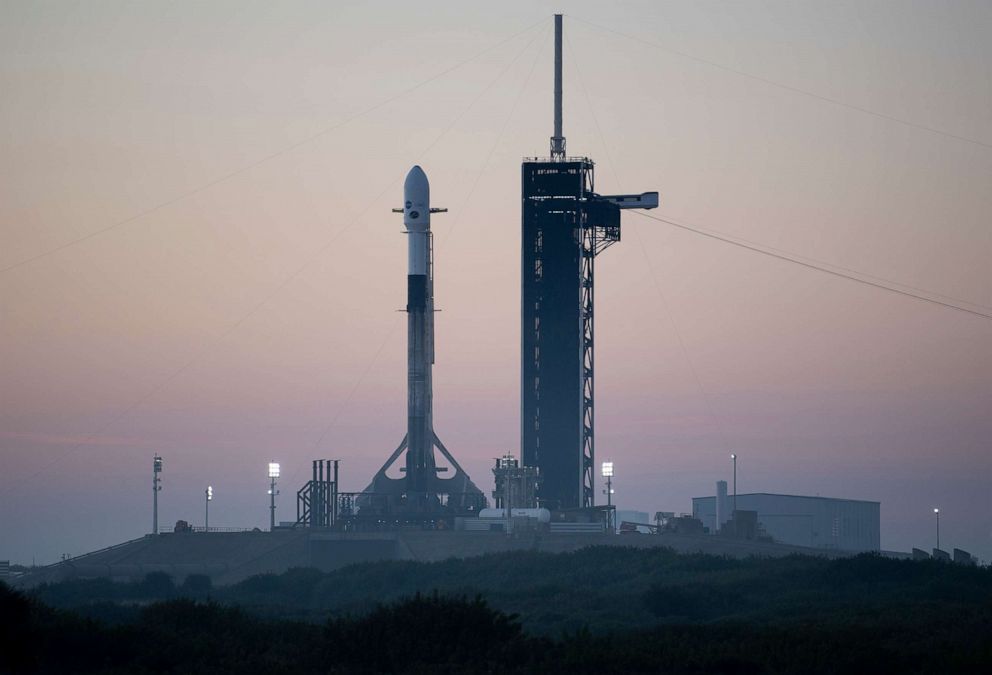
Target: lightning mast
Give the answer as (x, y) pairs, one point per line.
(156, 488)
(558, 140)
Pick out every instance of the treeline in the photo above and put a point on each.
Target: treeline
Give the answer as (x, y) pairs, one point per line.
(440, 634)
(603, 589)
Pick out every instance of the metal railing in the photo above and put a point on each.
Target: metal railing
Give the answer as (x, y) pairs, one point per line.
(68, 559)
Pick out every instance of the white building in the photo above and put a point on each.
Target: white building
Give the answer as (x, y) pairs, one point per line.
(816, 522)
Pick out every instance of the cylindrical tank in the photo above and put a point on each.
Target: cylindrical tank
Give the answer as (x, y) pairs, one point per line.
(722, 515)
(542, 515)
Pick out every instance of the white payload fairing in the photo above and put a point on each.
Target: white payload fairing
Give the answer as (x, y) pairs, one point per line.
(421, 490)
(417, 219)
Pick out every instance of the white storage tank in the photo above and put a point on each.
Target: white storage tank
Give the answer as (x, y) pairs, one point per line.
(722, 512)
(542, 515)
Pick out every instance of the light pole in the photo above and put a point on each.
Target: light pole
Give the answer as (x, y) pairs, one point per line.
(607, 472)
(936, 513)
(507, 487)
(156, 487)
(209, 495)
(733, 456)
(273, 474)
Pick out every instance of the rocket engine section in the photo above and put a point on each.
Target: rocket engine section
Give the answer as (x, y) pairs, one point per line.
(421, 493)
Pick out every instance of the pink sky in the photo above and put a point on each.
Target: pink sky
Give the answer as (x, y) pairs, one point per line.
(246, 321)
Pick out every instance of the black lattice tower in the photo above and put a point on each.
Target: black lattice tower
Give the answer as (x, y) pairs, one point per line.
(565, 225)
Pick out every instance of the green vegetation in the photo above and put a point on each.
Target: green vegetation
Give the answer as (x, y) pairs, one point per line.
(595, 610)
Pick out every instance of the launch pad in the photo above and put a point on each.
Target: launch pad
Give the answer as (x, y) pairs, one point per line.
(391, 500)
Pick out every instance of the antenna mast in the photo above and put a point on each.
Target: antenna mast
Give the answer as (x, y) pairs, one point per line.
(558, 140)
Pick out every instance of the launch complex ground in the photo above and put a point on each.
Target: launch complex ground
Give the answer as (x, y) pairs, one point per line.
(230, 557)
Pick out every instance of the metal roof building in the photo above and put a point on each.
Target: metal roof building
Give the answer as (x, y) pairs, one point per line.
(816, 522)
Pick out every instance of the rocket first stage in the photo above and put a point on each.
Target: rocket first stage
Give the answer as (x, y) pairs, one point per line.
(421, 492)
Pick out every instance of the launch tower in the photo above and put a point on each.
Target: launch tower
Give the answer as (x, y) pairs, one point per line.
(565, 225)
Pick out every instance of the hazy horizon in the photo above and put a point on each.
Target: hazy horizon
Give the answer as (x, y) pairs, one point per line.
(242, 308)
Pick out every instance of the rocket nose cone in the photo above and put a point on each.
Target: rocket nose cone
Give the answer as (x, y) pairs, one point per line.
(416, 182)
(416, 200)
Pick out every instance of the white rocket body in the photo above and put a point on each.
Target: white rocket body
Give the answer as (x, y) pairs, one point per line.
(420, 466)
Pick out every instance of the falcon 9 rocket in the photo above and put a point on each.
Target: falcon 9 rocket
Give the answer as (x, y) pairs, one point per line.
(421, 493)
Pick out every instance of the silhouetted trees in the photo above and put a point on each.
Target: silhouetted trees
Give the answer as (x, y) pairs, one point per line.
(596, 611)
(196, 586)
(435, 632)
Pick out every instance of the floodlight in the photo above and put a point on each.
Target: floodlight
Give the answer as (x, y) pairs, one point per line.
(733, 456)
(273, 469)
(936, 510)
(210, 492)
(607, 469)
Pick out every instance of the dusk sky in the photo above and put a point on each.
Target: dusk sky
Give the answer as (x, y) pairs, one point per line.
(199, 259)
